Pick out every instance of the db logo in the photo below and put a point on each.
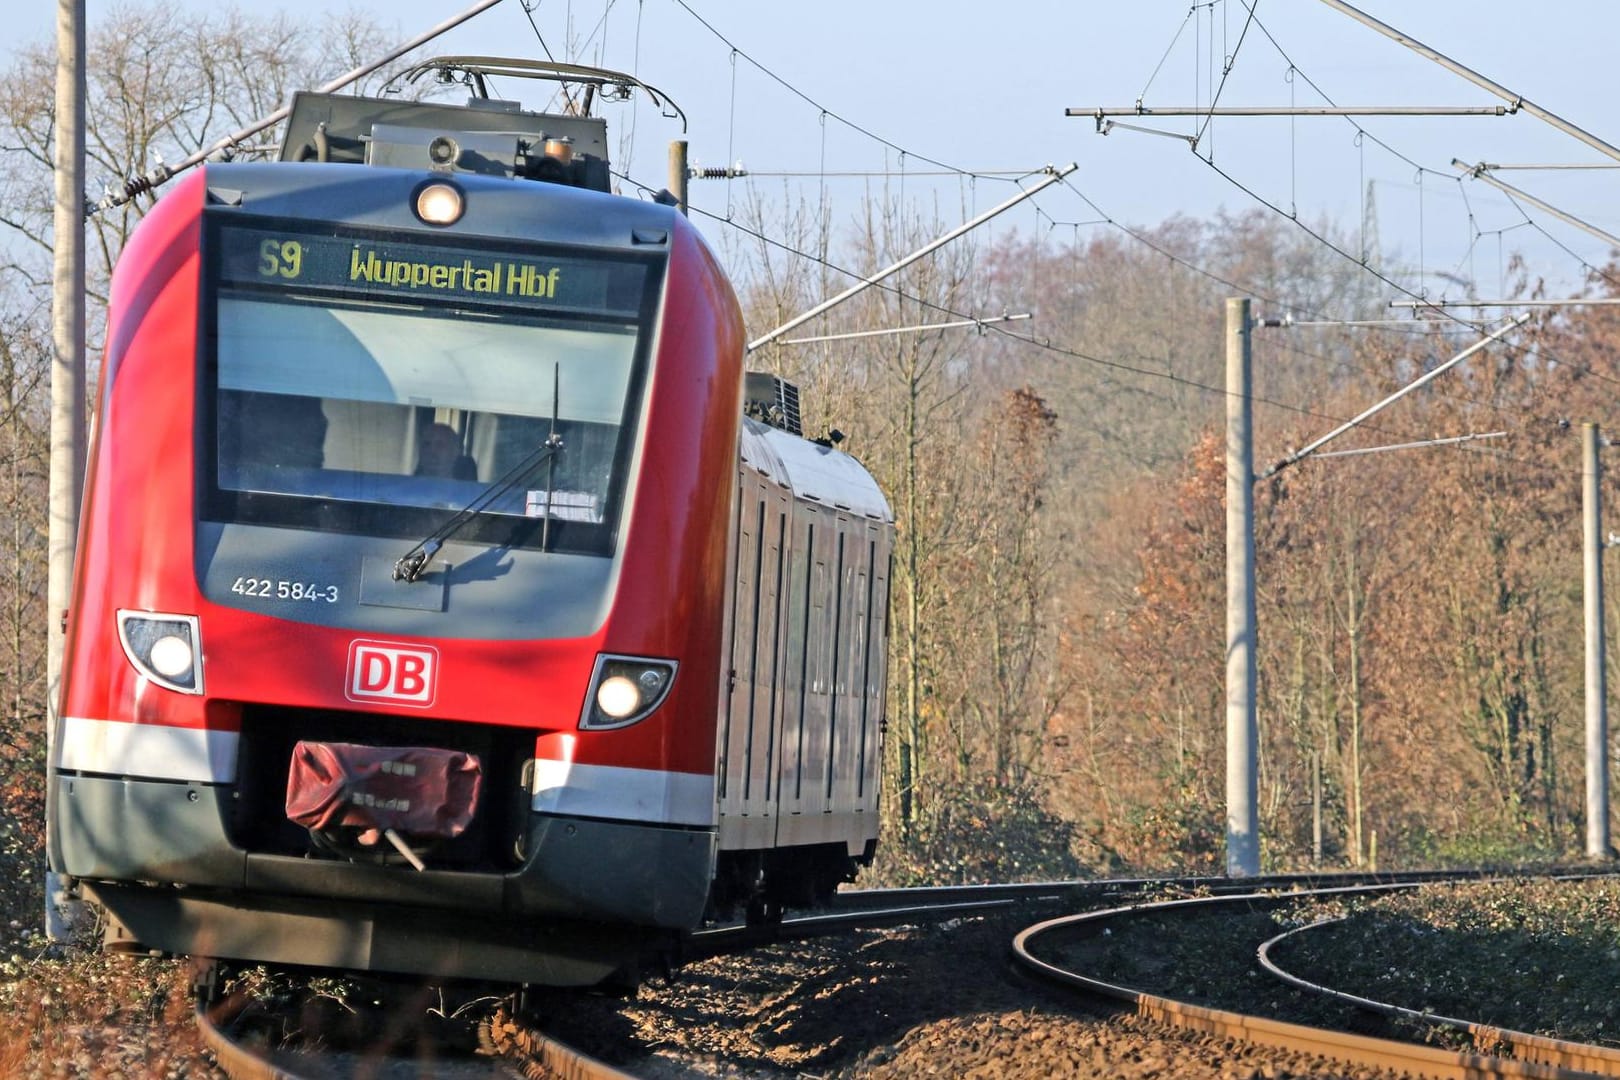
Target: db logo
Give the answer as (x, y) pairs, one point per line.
(384, 671)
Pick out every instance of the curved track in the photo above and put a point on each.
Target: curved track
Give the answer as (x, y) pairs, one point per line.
(1534, 1056)
(1522, 1045)
(239, 1060)
(245, 1055)
(532, 1053)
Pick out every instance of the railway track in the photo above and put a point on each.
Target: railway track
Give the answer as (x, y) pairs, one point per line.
(1580, 1058)
(1511, 1053)
(527, 1051)
(245, 1054)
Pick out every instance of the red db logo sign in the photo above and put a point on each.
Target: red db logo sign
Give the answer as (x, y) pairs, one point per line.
(385, 671)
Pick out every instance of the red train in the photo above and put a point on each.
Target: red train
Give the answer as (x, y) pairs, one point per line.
(438, 609)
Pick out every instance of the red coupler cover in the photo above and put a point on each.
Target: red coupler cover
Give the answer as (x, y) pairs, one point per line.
(414, 790)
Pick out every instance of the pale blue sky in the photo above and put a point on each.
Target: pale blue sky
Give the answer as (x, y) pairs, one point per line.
(984, 87)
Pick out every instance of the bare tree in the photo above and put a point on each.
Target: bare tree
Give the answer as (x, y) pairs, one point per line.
(162, 84)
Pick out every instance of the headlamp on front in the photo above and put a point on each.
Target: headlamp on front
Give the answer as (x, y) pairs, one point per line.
(624, 690)
(164, 648)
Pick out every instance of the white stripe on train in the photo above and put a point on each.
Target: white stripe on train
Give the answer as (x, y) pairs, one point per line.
(153, 751)
(609, 791)
(161, 752)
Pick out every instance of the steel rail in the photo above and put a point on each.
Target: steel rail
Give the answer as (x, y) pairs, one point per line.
(1087, 889)
(245, 1061)
(241, 1060)
(872, 908)
(1358, 1050)
(1523, 1045)
(727, 940)
(238, 1060)
(562, 1061)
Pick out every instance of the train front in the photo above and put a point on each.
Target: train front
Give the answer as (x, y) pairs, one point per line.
(396, 638)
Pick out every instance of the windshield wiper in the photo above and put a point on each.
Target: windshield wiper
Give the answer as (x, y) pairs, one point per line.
(412, 564)
(551, 462)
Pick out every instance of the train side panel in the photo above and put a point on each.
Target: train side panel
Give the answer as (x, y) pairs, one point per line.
(801, 738)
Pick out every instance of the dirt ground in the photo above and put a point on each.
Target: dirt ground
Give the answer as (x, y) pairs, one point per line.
(929, 1001)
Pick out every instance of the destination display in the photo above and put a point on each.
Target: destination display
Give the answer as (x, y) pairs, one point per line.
(401, 269)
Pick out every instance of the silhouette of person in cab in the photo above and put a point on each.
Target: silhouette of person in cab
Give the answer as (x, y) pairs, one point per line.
(438, 453)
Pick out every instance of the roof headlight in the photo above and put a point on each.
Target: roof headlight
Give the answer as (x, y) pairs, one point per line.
(440, 203)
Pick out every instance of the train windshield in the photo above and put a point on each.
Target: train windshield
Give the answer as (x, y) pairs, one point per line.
(377, 387)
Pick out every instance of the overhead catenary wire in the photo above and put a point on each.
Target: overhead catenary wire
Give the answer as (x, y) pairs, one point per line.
(1517, 102)
(1571, 301)
(945, 169)
(906, 155)
(1363, 133)
(1586, 368)
(1274, 302)
(1530, 166)
(806, 98)
(1102, 113)
(1057, 349)
(1147, 242)
(1332, 108)
(1456, 321)
(1226, 71)
(866, 174)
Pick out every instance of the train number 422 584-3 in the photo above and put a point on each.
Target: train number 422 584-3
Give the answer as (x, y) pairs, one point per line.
(276, 589)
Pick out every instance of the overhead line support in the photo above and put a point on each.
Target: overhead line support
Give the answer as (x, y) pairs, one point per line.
(1102, 114)
(1481, 172)
(1573, 301)
(1053, 175)
(1516, 102)
(1596, 684)
(955, 324)
(1300, 455)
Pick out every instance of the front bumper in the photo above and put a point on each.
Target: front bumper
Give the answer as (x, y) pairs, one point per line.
(133, 841)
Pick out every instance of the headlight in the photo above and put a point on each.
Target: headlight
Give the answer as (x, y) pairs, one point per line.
(618, 697)
(625, 689)
(162, 647)
(439, 204)
(171, 656)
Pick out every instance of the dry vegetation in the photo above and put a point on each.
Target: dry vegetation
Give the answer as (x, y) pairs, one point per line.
(84, 1015)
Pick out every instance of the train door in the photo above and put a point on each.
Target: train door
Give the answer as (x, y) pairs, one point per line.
(742, 582)
(851, 596)
(821, 646)
(874, 668)
(797, 673)
(748, 733)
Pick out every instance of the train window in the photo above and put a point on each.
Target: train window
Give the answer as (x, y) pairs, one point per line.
(376, 416)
